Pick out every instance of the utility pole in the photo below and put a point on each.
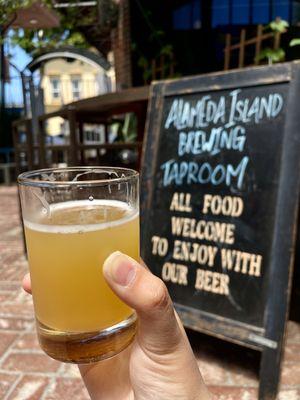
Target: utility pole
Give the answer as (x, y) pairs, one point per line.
(2, 76)
(3, 30)
(3, 122)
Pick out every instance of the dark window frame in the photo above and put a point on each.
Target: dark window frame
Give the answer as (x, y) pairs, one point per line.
(252, 11)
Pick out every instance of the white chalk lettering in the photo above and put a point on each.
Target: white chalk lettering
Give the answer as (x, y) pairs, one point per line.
(244, 111)
(241, 262)
(181, 202)
(218, 205)
(214, 282)
(198, 142)
(212, 231)
(194, 252)
(175, 273)
(180, 173)
(159, 246)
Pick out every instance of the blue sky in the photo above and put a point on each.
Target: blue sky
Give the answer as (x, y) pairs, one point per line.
(20, 59)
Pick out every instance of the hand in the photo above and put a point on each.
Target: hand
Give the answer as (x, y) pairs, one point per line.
(160, 364)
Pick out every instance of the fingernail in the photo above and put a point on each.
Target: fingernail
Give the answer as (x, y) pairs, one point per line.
(120, 268)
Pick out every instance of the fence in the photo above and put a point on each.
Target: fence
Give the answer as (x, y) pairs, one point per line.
(244, 43)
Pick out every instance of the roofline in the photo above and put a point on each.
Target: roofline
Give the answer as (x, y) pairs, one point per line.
(95, 60)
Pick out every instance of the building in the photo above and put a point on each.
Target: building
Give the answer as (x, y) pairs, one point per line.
(195, 31)
(216, 13)
(66, 80)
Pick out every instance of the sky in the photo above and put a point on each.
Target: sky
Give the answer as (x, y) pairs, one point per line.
(13, 90)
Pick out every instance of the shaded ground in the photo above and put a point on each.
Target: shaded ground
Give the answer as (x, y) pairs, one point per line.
(26, 373)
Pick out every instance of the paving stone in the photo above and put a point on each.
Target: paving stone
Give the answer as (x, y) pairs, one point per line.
(233, 393)
(212, 372)
(6, 382)
(6, 339)
(68, 389)
(15, 323)
(293, 332)
(292, 352)
(30, 388)
(19, 310)
(70, 371)
(9, 285)
(26, 362)
(290, 374)
(6, 296)
(28, 341)
(18, 296)
(244, 377)
(28, 374)
(292, 394)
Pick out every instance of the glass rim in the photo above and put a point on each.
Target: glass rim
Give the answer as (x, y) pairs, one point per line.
(27, 178)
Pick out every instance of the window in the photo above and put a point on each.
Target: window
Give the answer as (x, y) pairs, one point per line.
(261, 11)
(188, 16)
(296, 11)
(281, 8)
(93, 135)
(220, 13)
(76, 87)
(55, 87)
(243, 12)
(240, 11)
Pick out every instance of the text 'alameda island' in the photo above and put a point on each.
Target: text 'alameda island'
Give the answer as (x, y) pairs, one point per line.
(228, 116)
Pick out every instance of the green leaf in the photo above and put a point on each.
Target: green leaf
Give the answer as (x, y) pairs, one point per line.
(295, 42)
(69, 31)
(167, 50)
(279, 25)
(271, 55)
(143, 62)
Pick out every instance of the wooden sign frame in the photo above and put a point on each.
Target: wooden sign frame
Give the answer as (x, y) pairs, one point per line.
(269, 340)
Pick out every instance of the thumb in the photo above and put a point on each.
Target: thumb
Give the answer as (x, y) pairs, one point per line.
(159, 330)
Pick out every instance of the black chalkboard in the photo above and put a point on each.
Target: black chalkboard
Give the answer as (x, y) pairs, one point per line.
(220, 183)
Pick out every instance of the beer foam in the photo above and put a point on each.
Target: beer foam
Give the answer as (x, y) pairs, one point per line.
(78, 228)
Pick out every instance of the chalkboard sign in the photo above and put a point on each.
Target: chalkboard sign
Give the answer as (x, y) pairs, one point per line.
(220, 184)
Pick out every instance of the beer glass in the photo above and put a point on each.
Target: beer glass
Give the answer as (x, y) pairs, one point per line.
(73, 219)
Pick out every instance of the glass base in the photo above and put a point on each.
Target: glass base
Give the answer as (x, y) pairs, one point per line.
(85, 348)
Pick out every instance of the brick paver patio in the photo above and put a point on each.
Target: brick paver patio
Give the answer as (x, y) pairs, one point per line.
(27, 373)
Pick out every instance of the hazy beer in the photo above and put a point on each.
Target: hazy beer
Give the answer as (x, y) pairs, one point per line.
(79, 318)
